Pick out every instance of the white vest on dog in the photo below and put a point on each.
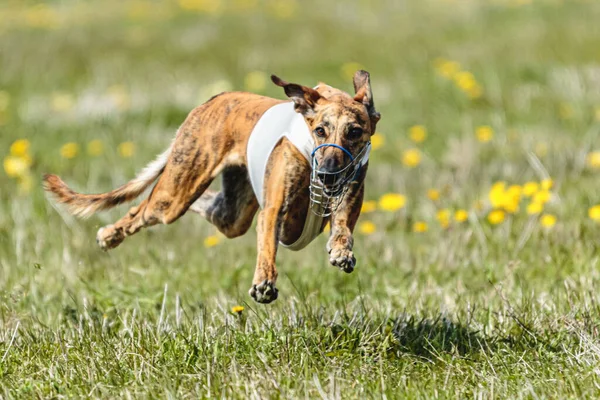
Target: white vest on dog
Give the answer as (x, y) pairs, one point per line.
(276, 123)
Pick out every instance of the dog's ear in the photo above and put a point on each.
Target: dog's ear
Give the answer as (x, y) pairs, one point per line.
(362, 88)
(304, 98)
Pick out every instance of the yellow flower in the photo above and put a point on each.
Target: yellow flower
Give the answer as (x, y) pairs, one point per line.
(392, 202)
(377, 141)
(547, 184)
(237, 309)
(512, 199)
(497, 194)
(461, 215)
(368, 206)
(19, 147)
(535, 208)
(61, 102)
(541, 197)
(327, 228)
(255, 81)
(593, 159)
(548, 221)
(496, 217)
(367, 228)
(474, 92)
(69, 150)
(282, 9)
(443, 217)
(126, 149)
(95, 148)
(411, 158)
(446, 68)
(211, 241)
(15, 166)
(120, 97)
(594, 213)
(484, 133)
(530, 188)
(348, 69)
(417, 133)
(420, 226)
(433, 194)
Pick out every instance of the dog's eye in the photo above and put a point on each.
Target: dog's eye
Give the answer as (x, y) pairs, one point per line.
(320, 132)
(355, 133)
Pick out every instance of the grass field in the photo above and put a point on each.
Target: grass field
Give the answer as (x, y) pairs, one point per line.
(477, 250)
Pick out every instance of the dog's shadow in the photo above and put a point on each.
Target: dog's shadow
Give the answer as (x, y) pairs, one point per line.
(429, 339)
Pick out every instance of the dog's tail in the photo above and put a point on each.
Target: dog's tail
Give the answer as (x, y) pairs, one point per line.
(84, 205)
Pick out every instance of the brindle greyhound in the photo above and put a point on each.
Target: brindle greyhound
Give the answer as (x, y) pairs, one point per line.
(213, 140)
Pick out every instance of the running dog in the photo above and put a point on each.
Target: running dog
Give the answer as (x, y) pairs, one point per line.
(303, 162)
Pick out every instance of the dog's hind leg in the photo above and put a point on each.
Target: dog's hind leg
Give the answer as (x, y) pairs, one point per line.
(183, 181)
(233, 208)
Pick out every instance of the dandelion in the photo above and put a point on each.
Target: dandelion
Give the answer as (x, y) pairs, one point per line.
(433, 194)
(237, 309)
(368, 206)
(120, 97)
(377, 141)
(484, 133)
(468, 84)
(497, 194)
(20, 148)
(367, 228)
(417, 133)
(593, 159)
(541, 197)
(443, 217)
(512, 199)
(15, 166)
(411, 158)
(461, 215)
(548, 221)
(348, 69)
(594, 213)
(61, 102)
(255, 81)
(126, 149)
(95, 148)
(496, 217)
(547, 184)
(392, 202)
(211, 241)
(534, 208)
(69, 150)
(420, 226)
(446, 68)
(283, 9)
(530, 188)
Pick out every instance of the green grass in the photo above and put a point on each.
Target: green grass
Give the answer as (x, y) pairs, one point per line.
(475, 310)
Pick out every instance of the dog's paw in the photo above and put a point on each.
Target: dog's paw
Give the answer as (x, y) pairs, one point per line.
(343, 259)
(108, 237)
(265, 292)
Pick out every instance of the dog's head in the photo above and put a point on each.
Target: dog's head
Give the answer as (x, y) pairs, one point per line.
(336, 118)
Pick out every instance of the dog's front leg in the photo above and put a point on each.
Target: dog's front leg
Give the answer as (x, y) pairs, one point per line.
(343, 222)
(263, 288)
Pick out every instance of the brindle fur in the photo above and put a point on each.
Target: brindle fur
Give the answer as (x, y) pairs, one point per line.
(213, 141)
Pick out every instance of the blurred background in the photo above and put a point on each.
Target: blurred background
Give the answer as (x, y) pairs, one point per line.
(484, 170)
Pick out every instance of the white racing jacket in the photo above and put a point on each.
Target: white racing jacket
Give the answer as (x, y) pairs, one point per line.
(276, 123)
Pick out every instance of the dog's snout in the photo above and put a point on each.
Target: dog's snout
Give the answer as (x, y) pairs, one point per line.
(327, 172)
(329, 165)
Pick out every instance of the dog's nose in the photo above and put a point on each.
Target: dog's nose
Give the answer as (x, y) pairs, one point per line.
(326, 172)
